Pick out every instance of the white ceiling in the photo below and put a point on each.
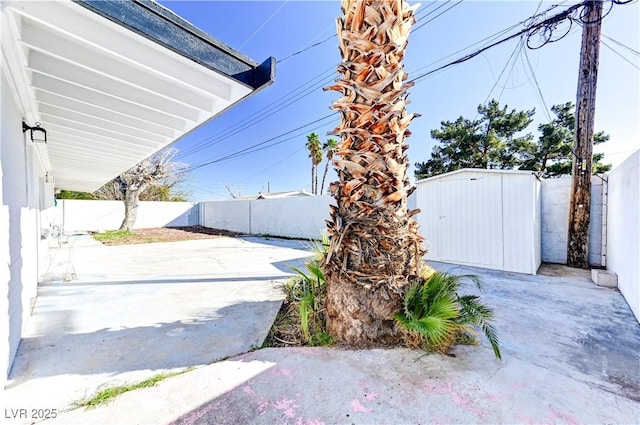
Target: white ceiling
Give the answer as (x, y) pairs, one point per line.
(107, 96)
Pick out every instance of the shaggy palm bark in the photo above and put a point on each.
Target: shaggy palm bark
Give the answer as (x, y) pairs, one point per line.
(375, 246)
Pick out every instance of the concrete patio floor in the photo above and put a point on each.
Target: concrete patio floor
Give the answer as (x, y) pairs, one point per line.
(132, 311)
(571, 350)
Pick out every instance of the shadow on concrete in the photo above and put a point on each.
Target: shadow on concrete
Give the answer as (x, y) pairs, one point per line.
(285, 266)
(301, 244)
(221, 333)
(170, 280)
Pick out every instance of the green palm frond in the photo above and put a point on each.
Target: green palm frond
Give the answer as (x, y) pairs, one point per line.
(444, 307)
(309, 292)
(306, 310)
(316, 272)
(412, 301)
(435, 312)
(473, 312)
(475, 279)
(492, 337)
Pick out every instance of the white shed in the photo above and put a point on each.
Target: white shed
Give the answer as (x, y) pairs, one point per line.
(482, 218)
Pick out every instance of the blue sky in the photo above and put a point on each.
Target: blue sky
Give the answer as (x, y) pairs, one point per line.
(265, 28)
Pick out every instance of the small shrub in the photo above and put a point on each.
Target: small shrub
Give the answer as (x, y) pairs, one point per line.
(301, 319)
(435, 317)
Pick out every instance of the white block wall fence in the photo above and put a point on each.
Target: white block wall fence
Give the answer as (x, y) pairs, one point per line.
(623, 234)
(555, 220)
(294, 217)
(88, 215)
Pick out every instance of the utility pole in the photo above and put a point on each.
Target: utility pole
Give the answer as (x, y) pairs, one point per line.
(580, 204)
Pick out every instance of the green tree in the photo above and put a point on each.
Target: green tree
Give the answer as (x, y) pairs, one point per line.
(490, 141)
(329, 148)
(71, 194)
(314, 146)
(554, 149)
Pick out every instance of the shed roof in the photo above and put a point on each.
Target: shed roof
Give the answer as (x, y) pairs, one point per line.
(476, 170)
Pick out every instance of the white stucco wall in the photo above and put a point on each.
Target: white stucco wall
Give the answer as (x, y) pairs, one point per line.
(623, 230)
(19, 239)
(88, 215)
(295, 217)
(6, 347)
(228, 215)
(555, 195)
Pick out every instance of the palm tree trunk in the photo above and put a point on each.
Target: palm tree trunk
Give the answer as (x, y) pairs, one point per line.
(324, 175)
(315, 179)
(375, 249)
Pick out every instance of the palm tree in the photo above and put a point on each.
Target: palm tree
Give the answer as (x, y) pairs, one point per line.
(315, 153)
(375, 250)
(329, 148)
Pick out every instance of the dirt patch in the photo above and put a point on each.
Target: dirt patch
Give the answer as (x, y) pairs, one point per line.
(169, 234)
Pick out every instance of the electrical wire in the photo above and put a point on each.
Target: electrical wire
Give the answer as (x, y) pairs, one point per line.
(621, 56)
(535, 80)
(306, 49)
(438, 15)
(262, 145)
(256, 118)
(529, 30)
(280, 161)
(288, 99)
(263, 114)
(516, 52)
(547, 25)
(635, 52)
(264, 24)
(259, 118)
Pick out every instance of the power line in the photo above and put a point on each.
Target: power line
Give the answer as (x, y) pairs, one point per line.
(277, 105)
(261, 145)
(535, 80)
(516, 52)
(439, 14)
(424, 9)
(635, 52)
(546, 24)
(622, 57)
(306, 49)
(258, 118)
(263, 114)
(295, 151)
(264, 24)
(486, 39)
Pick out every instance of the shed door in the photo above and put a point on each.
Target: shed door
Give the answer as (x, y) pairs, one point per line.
(470, 220)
